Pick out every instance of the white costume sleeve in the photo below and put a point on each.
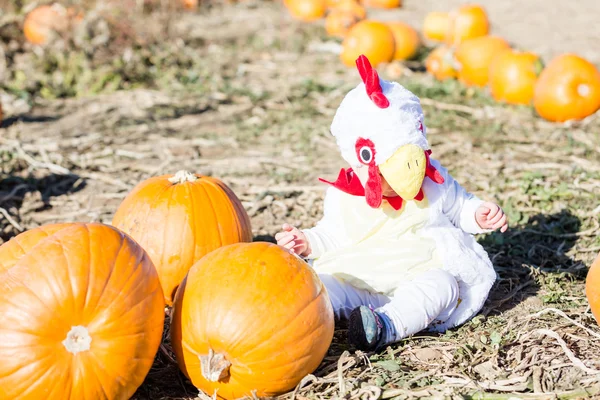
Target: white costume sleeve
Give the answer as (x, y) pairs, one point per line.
(329, 232)
(460, 205)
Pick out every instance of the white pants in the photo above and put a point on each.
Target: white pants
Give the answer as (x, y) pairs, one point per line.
(420, 303)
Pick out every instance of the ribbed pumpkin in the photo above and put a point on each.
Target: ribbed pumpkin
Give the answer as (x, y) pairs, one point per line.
(180, 218)
(436, 26)
(82, 314)
(43, 21)
(374, 39)
(250, 317)
(406, 39)
(467, 22)
(513, 75)
(592, 288)
(440, 63)
(567, 89)
(306, 10)
(474, 57)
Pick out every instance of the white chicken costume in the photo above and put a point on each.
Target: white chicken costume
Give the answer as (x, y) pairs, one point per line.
(410, 258)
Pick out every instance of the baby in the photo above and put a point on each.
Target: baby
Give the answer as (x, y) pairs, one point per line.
(395, 246)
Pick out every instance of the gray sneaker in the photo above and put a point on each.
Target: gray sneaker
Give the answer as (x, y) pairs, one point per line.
(368, 329)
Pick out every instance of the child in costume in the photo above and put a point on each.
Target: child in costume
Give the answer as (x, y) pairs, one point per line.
(394, 247)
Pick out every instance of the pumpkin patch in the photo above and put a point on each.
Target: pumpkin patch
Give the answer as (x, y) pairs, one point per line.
(258, 288)
(44, 21)
(180, 218)
(475, 56)
(82, 314)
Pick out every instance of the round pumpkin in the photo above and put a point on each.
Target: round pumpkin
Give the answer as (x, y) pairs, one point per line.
(190, 4)
(440, 63)
(386, 4)
(338, 22)
(467, 22)
(513, 75)
(436, 25)
(250, 317)
(374, 39)
(474, 57)
(180, 218)
(592, 288)
(407, 40)
(306, 10)
(82, 314)
(567, 89)
(43, 21)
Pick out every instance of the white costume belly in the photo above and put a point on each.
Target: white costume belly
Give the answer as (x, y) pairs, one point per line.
(395, 249)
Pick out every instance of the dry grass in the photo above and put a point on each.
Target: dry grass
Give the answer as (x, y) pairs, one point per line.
(251, 103)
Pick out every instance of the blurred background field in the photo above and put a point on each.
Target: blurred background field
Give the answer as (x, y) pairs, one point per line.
(245, 92)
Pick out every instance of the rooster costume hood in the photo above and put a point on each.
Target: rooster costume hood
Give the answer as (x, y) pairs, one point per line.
(375, 242)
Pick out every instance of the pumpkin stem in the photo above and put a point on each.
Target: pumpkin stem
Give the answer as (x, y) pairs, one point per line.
(214, 367)
(182, 177)
(78, 339)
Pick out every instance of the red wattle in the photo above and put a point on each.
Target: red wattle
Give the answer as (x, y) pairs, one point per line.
(373, 191)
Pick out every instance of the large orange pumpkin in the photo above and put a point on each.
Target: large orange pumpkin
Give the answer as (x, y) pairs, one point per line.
(250, 317)
(474, 57)
(467, 22)
(180, 218)
(567, 89)
(43, 21)
(440, 63)
(374, 39)
(306, 10)
(407, 40)
(513, 75)
(82, 314)
(592, 288)
(436, 26)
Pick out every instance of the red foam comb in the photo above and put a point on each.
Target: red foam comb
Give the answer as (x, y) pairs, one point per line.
(371, 79)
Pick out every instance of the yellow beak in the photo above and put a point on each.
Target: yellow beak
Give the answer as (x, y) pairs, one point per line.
(404, 171)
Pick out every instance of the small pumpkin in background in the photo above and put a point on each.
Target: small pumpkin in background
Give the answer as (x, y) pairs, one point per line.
(352, 6)
(467, 22)
(567, 89)
(474, 57)
(44, 21)
(338, 22)
(180, 218)
(592, 288)
(374, 39)
(82, 314)
(436, 26)
(406, 39)
(189, 4)
(385, 4)
(250, 319)
(513, 75)
(306, 10)
(440, 63)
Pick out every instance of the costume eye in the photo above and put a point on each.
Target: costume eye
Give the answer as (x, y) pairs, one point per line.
(366, 154)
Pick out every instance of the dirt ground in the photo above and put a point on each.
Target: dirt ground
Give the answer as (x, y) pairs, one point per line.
(242, 92)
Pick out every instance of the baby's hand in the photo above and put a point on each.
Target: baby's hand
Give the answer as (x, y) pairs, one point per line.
(293, 239)
(491, 216)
